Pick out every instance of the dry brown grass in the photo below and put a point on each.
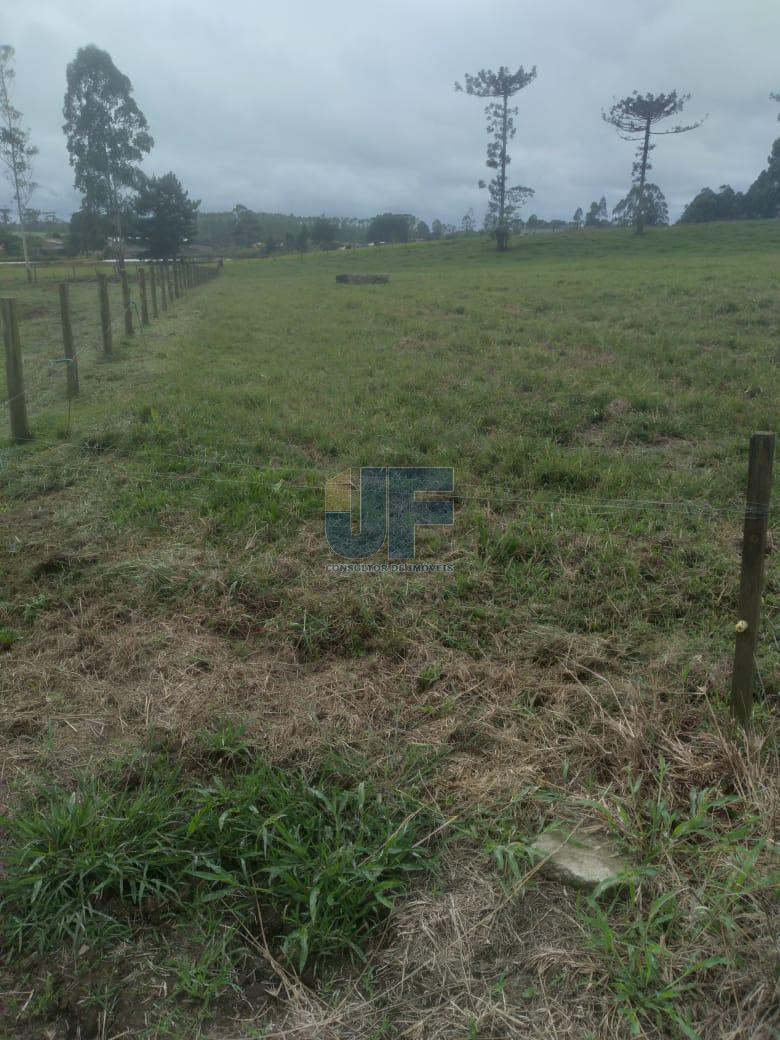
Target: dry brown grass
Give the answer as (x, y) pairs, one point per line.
(148, 622)
(475, 955)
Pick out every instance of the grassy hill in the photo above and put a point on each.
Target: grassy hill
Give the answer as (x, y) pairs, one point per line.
(191, 699)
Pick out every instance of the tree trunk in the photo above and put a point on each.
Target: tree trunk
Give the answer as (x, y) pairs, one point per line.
(20, 212)
(120, 255)
(640, 202)
(502, 234)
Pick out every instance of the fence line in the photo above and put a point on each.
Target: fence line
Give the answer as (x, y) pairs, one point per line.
(82, 270)
(187, 272)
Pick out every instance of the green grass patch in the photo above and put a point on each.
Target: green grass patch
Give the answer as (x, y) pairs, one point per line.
(305, 860)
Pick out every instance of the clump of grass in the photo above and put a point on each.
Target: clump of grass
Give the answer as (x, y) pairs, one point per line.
(704, 877)
(322, 860)
(7, 638)
(79, 863)
(330, 861)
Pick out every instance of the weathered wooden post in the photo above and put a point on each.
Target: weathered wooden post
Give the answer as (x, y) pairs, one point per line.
(153, 284)
(105, 316)
(126, 304)
(751, 588)
(169, 275)
(69, 353)
(176, 279)
(163, 286)
(142, 292)
(17, 402)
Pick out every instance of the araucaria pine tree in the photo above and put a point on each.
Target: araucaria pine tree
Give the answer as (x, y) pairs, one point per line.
(505, 202)
(16, 152)
(634, 118)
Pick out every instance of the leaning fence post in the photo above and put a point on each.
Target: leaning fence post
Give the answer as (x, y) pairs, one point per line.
(17, 402)
(153, 284)
(71, 361)
(144, 301)
(762, 451)
(105, 316)
(126, 305)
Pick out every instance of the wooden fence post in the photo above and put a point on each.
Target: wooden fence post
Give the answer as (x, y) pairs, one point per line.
(163, 286)
(17, 402)
(142, 292)
(751, 588)
(105, 316)
(71, 361)
(126, 304)
(153, 282)
(176, 279)
(169, 277)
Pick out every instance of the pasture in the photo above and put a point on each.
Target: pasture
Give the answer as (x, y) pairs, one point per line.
(246, 796)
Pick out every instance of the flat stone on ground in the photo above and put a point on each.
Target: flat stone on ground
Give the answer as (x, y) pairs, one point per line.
(579, 859)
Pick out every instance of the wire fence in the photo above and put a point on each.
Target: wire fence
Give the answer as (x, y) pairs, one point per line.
(170, 280)
(125, 305)
(157, 287)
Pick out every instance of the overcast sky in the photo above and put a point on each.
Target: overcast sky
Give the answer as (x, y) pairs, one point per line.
(348, 108)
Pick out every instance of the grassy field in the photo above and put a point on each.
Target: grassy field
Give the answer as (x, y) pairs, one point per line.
(245, 796)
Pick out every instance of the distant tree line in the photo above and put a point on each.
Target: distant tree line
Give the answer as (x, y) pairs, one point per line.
(652, 210)
(760, 201)
(108, 136)
(265, 234)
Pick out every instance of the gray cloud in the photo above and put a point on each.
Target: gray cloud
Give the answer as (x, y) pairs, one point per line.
(349, 108)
